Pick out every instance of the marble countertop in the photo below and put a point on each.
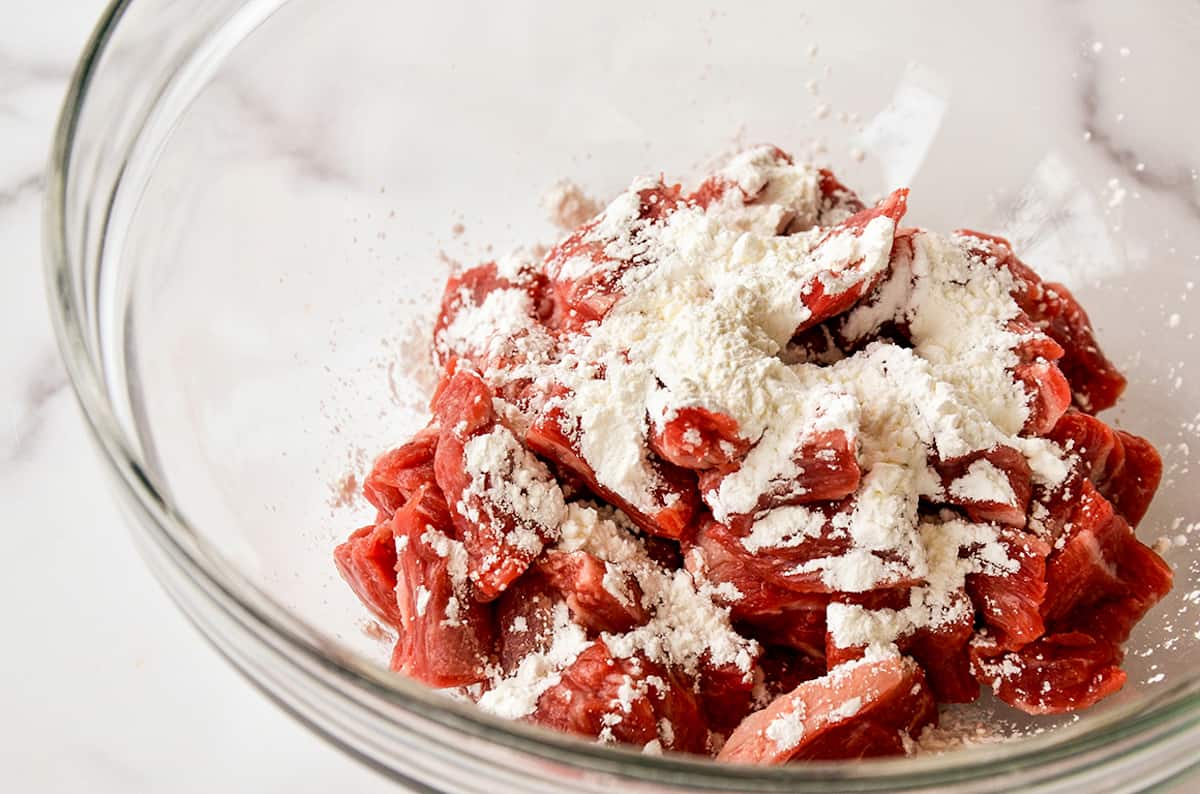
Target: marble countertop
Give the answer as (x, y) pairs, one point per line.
(103, 676)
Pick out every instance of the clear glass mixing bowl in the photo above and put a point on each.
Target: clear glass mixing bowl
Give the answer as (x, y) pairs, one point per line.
(250, 208)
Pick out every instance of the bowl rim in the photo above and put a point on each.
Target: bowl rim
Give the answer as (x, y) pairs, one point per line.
(1177, 704)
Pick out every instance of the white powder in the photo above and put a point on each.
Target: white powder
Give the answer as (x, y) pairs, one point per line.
(784, 527)
(700, 325)
(616, 584)
(503, 314)
(452, 612)
(983, 482)
(686, 622)
(958, 314)
(508, 480)
(453, 550)
(939, 601)
(713, 297)
(846, 709)
(1046, 460)
(422, 600)
(516, 695)
(455, 555)
(882, 522)
(770, 463)
(628, 692)
(961, 727)
(787, 729)
(771, 196)
(601, 531)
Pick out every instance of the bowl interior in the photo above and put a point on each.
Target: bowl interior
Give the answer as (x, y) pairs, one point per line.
(284, 255)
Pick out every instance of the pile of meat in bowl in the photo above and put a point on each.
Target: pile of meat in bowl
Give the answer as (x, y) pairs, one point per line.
(758, 472)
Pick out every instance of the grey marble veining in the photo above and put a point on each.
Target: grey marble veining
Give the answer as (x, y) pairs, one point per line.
(101, 671)
(1101, 132)
(46, 381)
(27, 186)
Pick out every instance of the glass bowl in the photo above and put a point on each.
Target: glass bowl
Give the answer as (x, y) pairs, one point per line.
(250, 210)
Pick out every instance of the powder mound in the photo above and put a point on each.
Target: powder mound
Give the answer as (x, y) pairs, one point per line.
(757, 471)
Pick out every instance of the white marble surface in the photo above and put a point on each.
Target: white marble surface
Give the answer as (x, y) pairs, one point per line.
(106, 687)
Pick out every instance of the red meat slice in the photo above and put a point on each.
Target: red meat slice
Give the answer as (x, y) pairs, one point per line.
(941, 650)
(626, 700)
(446, 634)
(524, 619)
(583, 580)
(836, 203)
(944, 654)
(1010, 604)
(1082, 569)
(1054, 674)
(367, 562)
(823, 304)
(659, 201)
(666, 553)
(676, 500)
(1050, 508)
(1101, 453)
(793, 567)
(696, 438)
(848, 334)
(1131, 487)
(1034, 345)
(464, 401)
(778, 565)
(714, 188)
(398, 474)
(1103, 579)
(762, 609)
(588, 297)
(1015, 468)
(894, 598)
(826, 466)
(725, 694)
(799, 624)
(1095, 381)
(1097, 450)
(817, 720)
(837, 200)
(784, 669)
(1049, 394)
(773, 614)
(468, 290)
(500, 542)
(816, 345)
